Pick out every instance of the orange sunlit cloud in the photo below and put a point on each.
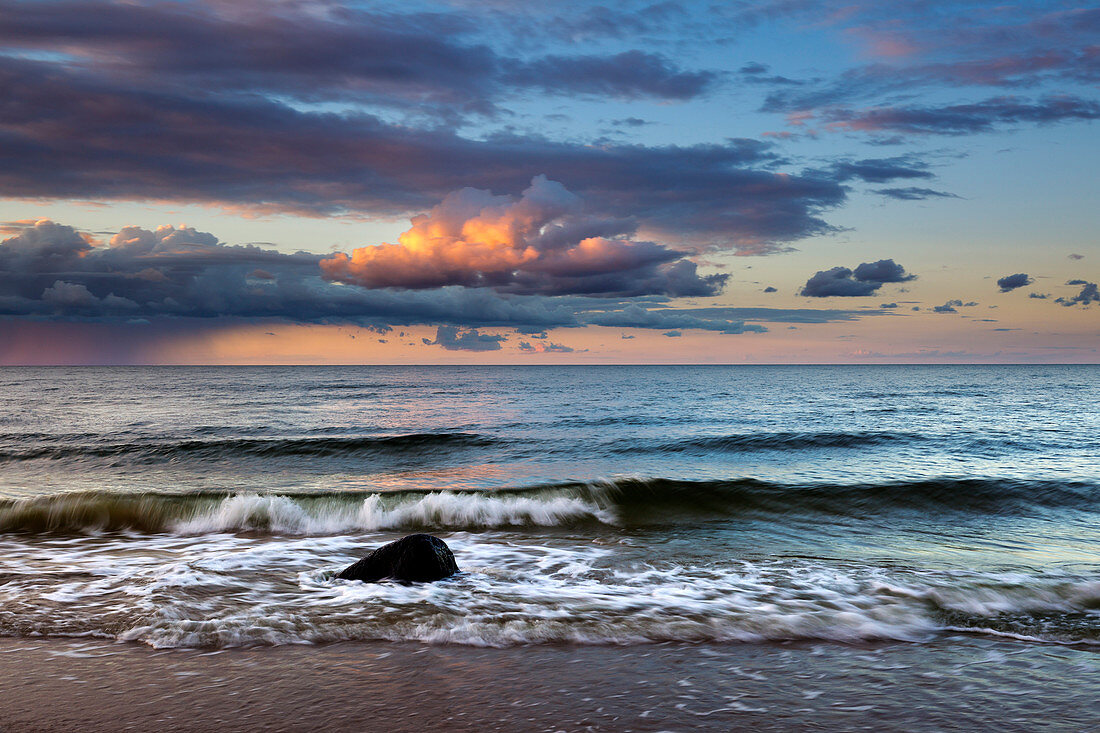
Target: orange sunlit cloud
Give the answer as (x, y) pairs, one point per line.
(474, 238)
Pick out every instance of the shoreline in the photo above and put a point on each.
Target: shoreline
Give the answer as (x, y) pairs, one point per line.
(953, 682)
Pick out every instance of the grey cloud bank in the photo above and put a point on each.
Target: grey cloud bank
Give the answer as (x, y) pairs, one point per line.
(50, 271)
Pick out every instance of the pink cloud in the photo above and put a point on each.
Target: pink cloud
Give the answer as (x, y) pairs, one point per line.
(544, 241)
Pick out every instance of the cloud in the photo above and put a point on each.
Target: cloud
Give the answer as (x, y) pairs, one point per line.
(66, 296)
(1076, 256)
(882, 271)
(672, 334)
(770, 289)
(1089, 294)
(52, 268)
(779, 315)
(864, 280)
(837, 281)
(914, 193)
(426, 59)
(549, 346)
(915, 54)
(69, 294)
(43, 247)
(1009, 283)
(627, 75)
(452, 339)
(250, 151)
(635, 316)
(1038, 296)
(542, 243)
(951, 306)
(50, 271)
(963, 119)
(881, 170)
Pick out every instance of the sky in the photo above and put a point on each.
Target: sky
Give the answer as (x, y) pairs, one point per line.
(322, 182)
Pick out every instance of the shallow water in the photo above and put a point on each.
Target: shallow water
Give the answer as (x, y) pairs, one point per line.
(955, 683)
(211, 507)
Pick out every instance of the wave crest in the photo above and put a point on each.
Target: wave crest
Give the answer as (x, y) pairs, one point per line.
(624, 502)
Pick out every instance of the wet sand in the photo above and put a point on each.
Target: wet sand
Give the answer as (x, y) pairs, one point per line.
(955, 683)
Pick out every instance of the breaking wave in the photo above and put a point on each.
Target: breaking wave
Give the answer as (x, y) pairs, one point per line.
(621, 502)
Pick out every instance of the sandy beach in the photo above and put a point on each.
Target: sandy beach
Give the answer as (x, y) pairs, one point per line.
(958, 683)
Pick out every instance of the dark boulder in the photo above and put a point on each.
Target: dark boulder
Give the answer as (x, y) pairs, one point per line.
(418, 558)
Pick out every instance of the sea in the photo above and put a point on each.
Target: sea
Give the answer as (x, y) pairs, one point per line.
(212, 507)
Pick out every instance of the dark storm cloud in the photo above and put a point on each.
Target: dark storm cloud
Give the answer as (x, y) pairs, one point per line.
(679, 279)
(388, 58)
(52, 272)
(49, 270)
(1011, 282)
(864, 280)
(71, 136)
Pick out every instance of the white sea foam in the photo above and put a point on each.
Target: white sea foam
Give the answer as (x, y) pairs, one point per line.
(281, 514)
(230, 590)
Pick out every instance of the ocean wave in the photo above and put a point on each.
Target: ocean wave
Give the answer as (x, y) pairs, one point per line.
(282, 514)
(644, 498)
(621, 502)
(415, 443)
(793, 441)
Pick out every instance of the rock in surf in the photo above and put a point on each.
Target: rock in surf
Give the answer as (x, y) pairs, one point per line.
(417, 558)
